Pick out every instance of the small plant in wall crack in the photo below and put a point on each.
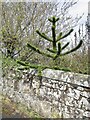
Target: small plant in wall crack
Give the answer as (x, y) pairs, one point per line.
(55, 51)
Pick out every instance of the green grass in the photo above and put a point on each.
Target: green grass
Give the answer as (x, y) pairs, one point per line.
(10, 108)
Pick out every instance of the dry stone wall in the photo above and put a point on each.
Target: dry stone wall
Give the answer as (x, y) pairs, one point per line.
(59, 94)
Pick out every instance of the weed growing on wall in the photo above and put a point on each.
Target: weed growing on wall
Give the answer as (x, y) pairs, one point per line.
(57, 50)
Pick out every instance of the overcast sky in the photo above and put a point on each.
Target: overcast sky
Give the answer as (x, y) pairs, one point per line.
(80, 8)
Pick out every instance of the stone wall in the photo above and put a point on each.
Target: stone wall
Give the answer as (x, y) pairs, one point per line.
(57, 94)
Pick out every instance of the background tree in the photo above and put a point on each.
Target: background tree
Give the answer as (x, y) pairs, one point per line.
(79, 60)
(20, 20)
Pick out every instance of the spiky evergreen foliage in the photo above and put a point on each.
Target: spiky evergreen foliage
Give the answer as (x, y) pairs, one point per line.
(54, 52)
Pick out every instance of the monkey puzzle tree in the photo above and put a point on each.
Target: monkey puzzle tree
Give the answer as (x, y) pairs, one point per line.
(20, 20)
(57, 50)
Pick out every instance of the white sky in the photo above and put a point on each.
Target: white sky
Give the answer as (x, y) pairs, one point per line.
(80, 8)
